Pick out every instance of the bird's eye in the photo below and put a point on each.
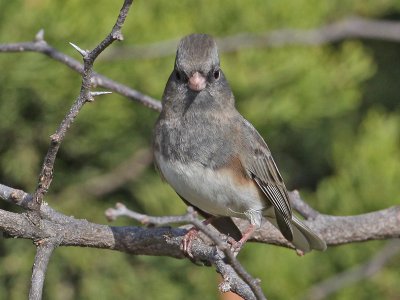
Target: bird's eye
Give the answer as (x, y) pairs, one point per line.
(178, 75)
(217, 73)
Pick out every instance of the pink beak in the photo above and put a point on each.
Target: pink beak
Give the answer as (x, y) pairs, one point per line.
(197, 82)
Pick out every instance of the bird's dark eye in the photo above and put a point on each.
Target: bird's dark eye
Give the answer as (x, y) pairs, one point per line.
(178, 75)
(217, 73)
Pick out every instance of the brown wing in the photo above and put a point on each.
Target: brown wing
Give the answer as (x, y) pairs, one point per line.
(262, 169)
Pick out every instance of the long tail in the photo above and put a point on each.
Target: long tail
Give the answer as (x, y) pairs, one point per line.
(304, 238)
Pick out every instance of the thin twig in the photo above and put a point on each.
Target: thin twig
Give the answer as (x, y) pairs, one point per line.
(191, 218)
(42, 257)
(41, 46)
(46, 173)
(121, 210)
(16, 196)
(254, 284)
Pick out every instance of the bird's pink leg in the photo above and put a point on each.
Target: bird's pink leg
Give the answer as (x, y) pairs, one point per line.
(236, 246)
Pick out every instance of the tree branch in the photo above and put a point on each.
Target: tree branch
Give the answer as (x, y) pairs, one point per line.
(158, 241)
(166, 241)
(352, 27)
(349, 28)
(191, 218)
(335, 230)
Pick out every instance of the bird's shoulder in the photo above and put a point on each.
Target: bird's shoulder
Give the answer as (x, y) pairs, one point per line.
(250, 141)
(255, 156)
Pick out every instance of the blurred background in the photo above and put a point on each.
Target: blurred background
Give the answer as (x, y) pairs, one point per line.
(330, 114)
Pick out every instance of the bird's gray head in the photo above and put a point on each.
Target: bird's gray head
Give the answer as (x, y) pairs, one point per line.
(197, 61)
(197, 82)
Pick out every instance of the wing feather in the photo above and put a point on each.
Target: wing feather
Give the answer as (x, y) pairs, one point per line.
(262, 168)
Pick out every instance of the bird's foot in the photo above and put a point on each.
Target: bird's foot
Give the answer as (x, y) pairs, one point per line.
(236, 246)
(187, 241)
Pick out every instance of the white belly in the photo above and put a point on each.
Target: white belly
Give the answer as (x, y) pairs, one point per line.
(214, 192)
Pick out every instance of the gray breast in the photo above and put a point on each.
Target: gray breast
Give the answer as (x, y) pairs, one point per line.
(202, 140)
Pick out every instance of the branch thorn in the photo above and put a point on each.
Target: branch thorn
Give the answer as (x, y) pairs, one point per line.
(39, 37)
(94, 94)
(118, 35)
(81, 52)
(55, 138)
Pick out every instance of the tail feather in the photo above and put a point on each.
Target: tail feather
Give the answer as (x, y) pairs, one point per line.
(314, 241)
(304, 238)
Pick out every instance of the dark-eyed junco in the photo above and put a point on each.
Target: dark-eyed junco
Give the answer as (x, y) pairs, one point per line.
(215, 159)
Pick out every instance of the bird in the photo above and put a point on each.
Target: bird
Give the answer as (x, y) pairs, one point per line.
(214, 158)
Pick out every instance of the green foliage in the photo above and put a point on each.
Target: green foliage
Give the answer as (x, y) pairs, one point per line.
(367, 169)
(330, 115)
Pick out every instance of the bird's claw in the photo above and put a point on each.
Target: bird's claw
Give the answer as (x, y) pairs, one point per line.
(235, 245)
(187, 241)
